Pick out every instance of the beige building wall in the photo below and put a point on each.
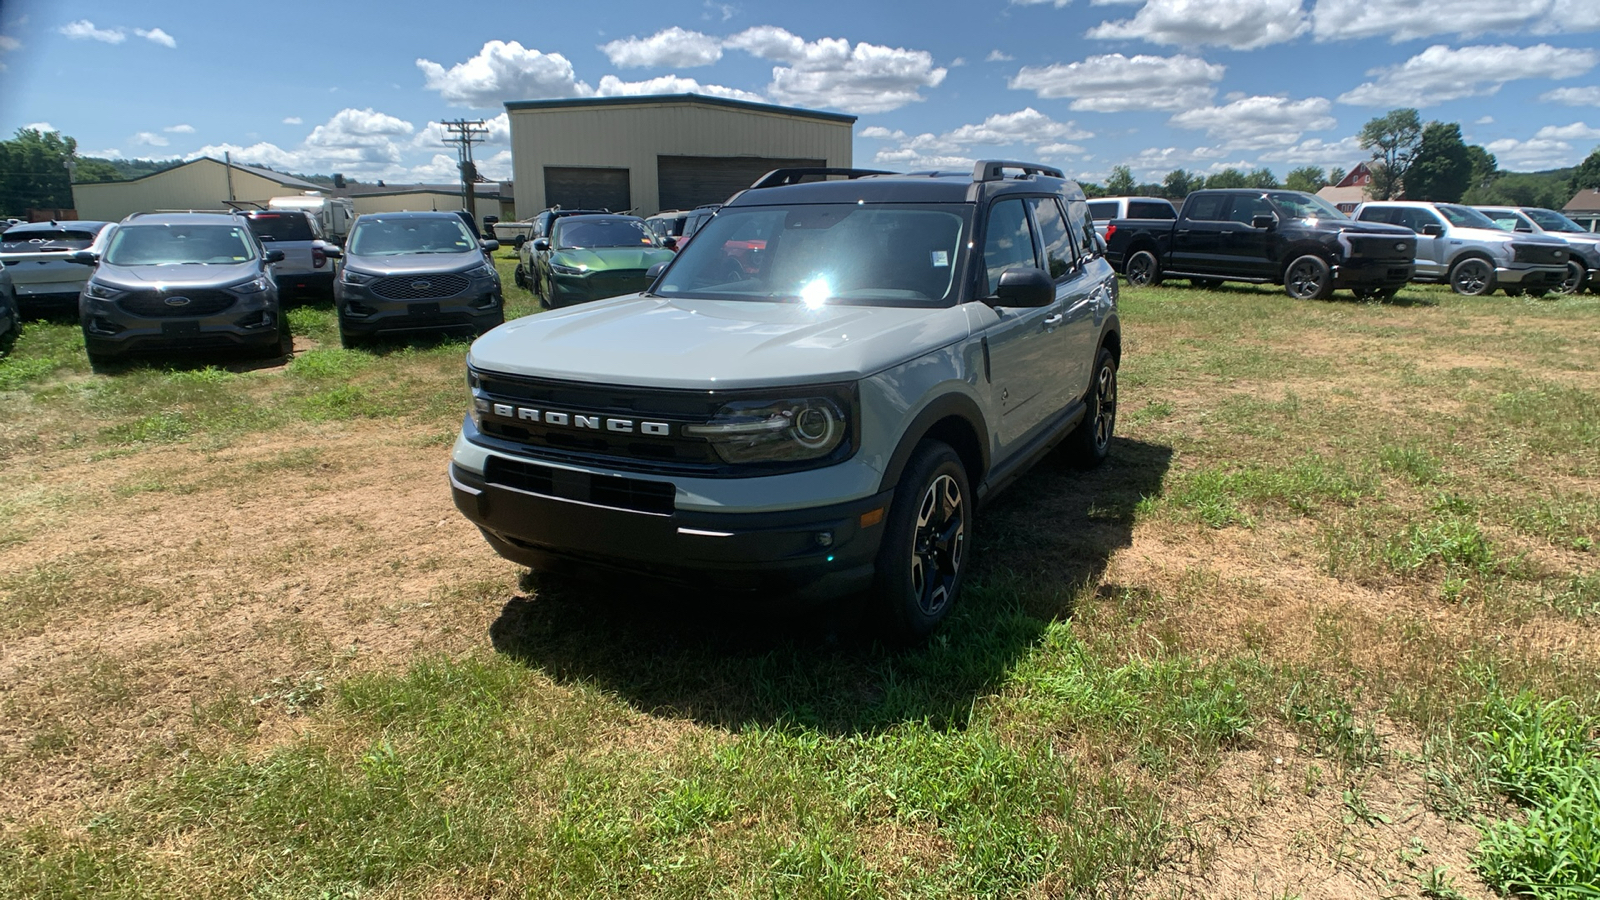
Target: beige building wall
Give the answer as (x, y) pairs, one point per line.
(423, 201)
(631, 136)
(202, 184)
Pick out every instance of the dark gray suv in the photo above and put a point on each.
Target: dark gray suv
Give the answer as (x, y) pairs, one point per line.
(181, 281)
(415, 272)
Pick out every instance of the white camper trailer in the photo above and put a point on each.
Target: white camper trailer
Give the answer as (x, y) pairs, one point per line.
(334, 214)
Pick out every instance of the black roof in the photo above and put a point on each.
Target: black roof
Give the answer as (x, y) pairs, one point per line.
(962, 186)
(652, 99)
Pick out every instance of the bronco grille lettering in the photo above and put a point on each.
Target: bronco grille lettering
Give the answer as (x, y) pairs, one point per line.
(596, 422)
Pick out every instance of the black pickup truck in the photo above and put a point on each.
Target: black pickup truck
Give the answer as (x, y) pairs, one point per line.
(1265, 236)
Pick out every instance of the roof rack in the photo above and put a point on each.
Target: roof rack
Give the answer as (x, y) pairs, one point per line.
(994, 169)
(781, 177)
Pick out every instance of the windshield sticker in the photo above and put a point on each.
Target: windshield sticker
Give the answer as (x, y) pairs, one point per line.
(941, 259)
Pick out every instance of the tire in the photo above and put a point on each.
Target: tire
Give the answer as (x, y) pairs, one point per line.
(1513, 292)
(285, 336)
(485, 327)
(347, 340)
(1206, 283)
(1377, 295)
(103, 363)
(1472, 277)
(1308, 278)
(922, 562)
(1576, 276)
(1090, 443)
(1142, 269)
(520, 276)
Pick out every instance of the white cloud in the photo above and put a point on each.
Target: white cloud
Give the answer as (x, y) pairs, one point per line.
(148, 139)
(1056, 3)
(157, 36)
(1025, 127)
(671, 47)
(1058, 152)
(1404, 20)
(1483, 120)
(908, 158)
(503, 71)
(1577, 131)
(40, 126)
(179, 129)
(433, 134)
(1259, 121)
(998, 56)
(1344, 153)
(880, 133)
(293, 120)
(1153, 162)
(9, 43)
(866, 78)
(1536, 153)
(84, 30)
(1573, 96)
(107, 153)
(1116, 83)
(358, 142)
(1439, 73)
(612, 86)
(725, 10)
(1239, 24)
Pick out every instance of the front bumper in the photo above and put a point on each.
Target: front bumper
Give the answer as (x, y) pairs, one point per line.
(569, 290)
(364, 314)
(249, 323)
(49, 298)
(793, 555)
(1530, 276)
(1383, 273)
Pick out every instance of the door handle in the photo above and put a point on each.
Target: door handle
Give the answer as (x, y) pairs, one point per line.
(1181, 231)
(1053, 321)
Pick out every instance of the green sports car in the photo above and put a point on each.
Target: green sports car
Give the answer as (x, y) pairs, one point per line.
(593, 257)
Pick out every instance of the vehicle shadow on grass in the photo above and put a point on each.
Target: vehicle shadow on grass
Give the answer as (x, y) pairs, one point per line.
(1408, 295)
(672, 654)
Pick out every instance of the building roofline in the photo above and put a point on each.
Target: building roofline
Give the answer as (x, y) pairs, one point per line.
(268, 174)
(665, 99)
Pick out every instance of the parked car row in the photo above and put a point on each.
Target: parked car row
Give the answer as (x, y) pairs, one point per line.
(577, 256)
(1311, 248)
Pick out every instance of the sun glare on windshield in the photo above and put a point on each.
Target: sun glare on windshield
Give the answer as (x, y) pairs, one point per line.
(815, 293)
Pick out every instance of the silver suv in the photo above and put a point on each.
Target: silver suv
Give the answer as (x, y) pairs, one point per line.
(39, 255)
(812, 397)
(409, 272)
(307, 266)
(1583, 265)
(1460, 246)
(181, 281)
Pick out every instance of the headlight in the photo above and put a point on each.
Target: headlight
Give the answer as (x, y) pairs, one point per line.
(754, 431)
(253, 286)
(483, 271)
(100, 292)
(350, 277)
(568, 270)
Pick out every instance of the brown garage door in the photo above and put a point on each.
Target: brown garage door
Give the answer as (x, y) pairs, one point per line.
(690, 181)
(582, 187)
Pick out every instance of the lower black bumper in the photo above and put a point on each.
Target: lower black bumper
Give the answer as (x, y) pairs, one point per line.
(427, 317)
(795, 555)
(1376, 274)
(264, 339)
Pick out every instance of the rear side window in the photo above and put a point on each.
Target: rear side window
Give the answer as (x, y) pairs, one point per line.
(1150, 209)
(1103, 211)
(1377, 214)
(271, 227)
(32, 240)
(1208, 207)
(1009, 242)
(1054, 234)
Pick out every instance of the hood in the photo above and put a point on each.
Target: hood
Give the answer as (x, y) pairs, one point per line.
(702, 344)
(185, 275)
(409, 263)
(1355, 227)
(612, 258)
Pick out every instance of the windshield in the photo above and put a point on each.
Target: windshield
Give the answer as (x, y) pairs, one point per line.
(590, 234)
(1550, 220)
(1506, 220)
(392, 237)
(282, 227)
(169, 245)
(825, 253)
(1306, 206)
(40, 240)
(1465, 216)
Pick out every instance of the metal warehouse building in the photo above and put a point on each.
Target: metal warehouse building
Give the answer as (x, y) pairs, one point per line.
(650, 153)
(202, 183)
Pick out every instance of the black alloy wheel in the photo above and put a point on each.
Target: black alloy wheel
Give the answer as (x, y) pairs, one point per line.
(922, 559)
(1308, 278)
(1576, 275)
(1473, 277)
(1090, 443)
(1142, 269)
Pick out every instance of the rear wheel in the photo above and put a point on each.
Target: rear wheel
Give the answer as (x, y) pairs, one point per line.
(520, 276)
(922, 562)
(1089, 444)
(1142, 269)
(1576, 276)
(1308, 278)
(1472, 277)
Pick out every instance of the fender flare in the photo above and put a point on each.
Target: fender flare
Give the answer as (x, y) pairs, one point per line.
(948, 406)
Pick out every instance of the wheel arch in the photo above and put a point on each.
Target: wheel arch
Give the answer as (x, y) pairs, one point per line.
(1295, 251)
(954, 419)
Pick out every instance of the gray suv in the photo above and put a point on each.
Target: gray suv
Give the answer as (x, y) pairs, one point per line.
(812, 398)
(1461, 247)
(181, 281)
(409, 272)
(1583, 265)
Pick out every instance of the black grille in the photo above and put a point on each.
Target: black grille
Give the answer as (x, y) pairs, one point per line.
(1539, 253)
(420, 287)
(1388, 247)
(617, 282)
(176, 302)
(615, 491)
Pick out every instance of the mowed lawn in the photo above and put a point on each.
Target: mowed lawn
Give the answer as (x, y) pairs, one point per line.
(1324, 626)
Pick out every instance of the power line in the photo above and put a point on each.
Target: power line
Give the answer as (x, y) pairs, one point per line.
(463, 134)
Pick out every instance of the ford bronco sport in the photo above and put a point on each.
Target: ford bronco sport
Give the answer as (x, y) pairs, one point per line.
(812, 398)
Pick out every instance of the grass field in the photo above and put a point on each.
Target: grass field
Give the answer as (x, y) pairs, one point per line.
(1324, 626)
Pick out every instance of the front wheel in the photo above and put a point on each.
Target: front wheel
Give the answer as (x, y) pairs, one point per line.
(1576, 275)
(285, 335)
(1379, 295)
(1472, 277)
(1308, 278)
(1142, 269)
(520, 276)
(922, 562)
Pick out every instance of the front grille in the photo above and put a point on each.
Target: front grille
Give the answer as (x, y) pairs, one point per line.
(1389, 247)
(615, 491)
(161, 304)
(617, 282)
(1539, 254)
(420, 287)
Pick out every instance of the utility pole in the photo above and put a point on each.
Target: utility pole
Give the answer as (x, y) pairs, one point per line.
(463, 134)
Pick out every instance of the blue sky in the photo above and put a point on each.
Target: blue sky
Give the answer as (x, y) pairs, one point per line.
(356, 87)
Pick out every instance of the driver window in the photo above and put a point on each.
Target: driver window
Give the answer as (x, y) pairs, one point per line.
(1009, 242)
(1245, 209)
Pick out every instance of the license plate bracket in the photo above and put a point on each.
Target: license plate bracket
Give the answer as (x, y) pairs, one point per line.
(180, 329)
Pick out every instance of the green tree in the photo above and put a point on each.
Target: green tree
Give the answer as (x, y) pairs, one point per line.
(1179, 184)
(1227, 178)
(1393, 140)
(1120, 184)
(1306, 178)
(1261, 178)
(1336, 175)
(1588, 174)
(92, 171)
(33, 171)
(1485, 168)
(1441, 168)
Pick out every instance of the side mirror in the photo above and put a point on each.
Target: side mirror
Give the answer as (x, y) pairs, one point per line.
(85, 257)
(1263, 222)
(274, 256)
(655, 271)
(1434, 230)
(1525, 229)
(541, 245)
(331, 251)
(670, 243)
(1024, 286)
(489, 246)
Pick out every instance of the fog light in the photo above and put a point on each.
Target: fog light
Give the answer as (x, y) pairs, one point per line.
(824, 539)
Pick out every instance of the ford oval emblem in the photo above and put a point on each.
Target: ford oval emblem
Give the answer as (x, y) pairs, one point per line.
(1400, 246)
(421, 285)
(177, 301)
